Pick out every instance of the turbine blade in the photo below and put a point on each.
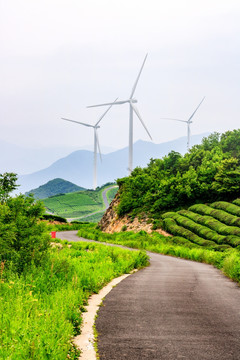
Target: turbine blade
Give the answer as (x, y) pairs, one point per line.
(136, 82)
(106, 112)
(113, 103)
(78, 122)
(98, 145)
(174, 119)
(196, 109)
(139, 116)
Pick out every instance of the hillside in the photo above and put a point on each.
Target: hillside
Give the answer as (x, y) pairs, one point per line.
(78, 166)
(54, 187)
(80, 204)
(208, 172)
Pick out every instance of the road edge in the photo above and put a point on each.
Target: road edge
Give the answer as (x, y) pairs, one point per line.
(85, 341)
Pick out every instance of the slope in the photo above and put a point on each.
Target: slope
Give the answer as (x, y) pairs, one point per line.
(79, 204)
(54, 187)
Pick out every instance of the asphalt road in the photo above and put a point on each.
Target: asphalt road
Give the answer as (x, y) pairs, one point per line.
(173, 309)
(104, 195)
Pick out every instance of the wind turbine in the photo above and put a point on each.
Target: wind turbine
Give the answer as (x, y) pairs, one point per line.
(96, 142)
(188, 122)
(132, 108)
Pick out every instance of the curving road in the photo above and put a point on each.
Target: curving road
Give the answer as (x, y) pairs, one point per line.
(173, 309)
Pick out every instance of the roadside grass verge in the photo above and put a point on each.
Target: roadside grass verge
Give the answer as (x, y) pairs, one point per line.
(227, 261)
(41, 308)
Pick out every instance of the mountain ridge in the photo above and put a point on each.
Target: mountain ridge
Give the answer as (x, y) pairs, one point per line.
(77, 167)
(54, 187)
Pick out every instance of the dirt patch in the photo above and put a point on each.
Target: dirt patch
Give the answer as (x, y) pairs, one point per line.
(111, 222)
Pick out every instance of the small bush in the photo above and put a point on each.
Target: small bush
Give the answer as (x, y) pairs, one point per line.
(53, 217)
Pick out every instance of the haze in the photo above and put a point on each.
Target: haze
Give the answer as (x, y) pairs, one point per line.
(59, 56)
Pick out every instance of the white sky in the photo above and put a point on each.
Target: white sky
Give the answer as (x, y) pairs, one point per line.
(58, 56)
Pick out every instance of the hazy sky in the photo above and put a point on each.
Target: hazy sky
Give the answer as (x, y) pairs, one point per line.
(58, 56)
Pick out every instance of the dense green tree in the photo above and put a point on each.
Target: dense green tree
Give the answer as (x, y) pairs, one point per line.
(7, 185)
(208, 172)
(23, 238)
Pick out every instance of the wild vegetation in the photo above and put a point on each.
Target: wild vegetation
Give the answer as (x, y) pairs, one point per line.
(44, 288)
(226, 258)
(207, 173)
(78, 204)
(41, 308)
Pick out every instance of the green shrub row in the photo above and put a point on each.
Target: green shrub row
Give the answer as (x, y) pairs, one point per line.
(220, 228)
(171, 226)
(236, 202)
(226, 206)
(202, 231)
(221, 215)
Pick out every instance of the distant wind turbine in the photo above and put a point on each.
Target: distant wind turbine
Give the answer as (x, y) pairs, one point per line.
(96, 142)
(132, 108)
(188, 122)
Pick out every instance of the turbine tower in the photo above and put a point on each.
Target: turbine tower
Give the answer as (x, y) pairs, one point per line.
(132, 109)
(96, 143)
(188, 122)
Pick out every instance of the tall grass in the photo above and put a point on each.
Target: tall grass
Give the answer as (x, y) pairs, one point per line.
(41, 309)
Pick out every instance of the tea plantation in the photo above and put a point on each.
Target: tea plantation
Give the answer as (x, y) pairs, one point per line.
(215, 226)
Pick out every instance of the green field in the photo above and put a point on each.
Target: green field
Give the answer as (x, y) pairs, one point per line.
(80, 203)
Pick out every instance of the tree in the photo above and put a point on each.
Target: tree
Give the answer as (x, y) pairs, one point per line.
(227, 179)
(23, 238)
(7, 185)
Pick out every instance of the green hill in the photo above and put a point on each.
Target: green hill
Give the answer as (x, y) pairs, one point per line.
(80, 204)
(54, 187)
(208, 172)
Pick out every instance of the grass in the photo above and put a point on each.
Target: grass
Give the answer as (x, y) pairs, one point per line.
(227, 260)
(41, 309)
(78, 204)
(111, 194)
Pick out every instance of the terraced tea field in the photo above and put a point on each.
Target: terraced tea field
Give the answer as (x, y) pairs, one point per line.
(78, 204)
(215, 226)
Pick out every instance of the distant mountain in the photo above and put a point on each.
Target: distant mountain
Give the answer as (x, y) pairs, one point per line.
(78, 166)
(24, 160)
(54, 187)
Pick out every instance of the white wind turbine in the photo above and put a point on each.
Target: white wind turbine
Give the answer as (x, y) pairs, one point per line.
(188, 122)
(132, 108)
(96, 143)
